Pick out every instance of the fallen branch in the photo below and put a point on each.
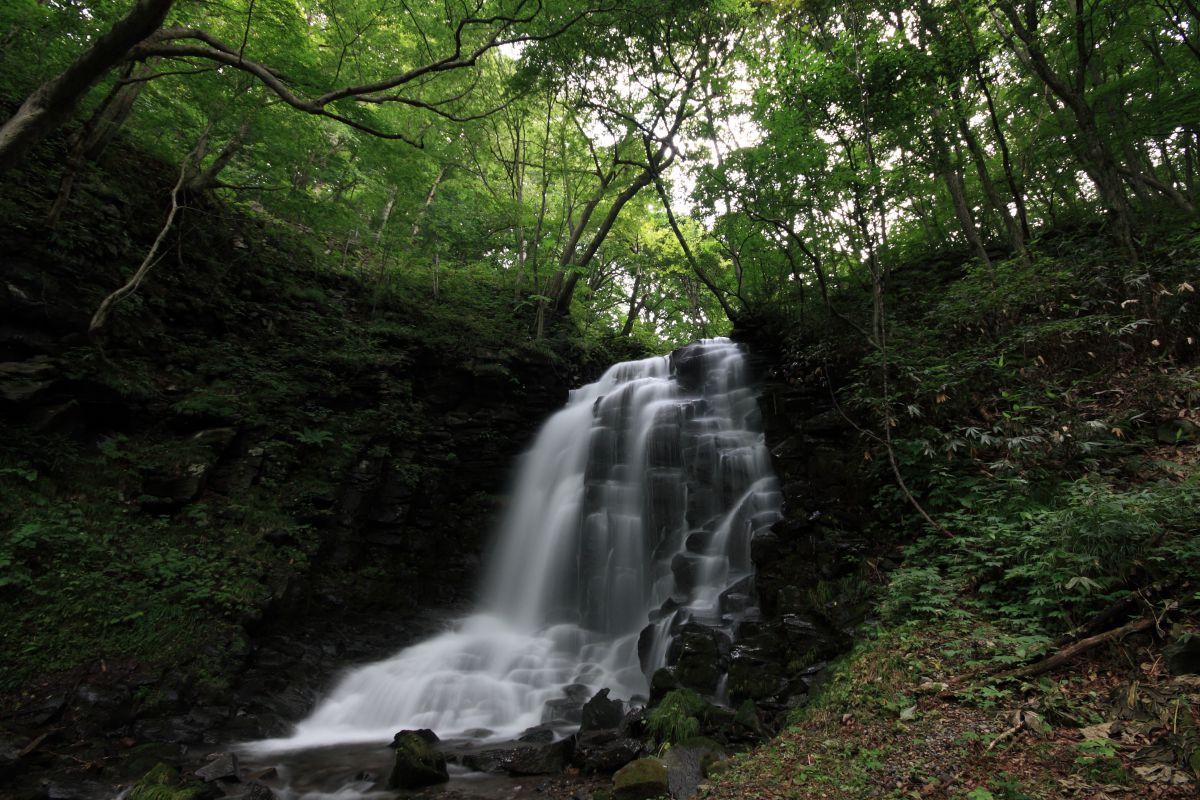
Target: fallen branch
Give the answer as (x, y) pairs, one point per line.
(1008, 734)
(1082, 646)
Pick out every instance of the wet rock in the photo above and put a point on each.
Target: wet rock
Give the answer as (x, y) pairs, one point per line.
(606, 751)
(752, 677)
(601, 713)
(633, 725)
(687, 569)
(477, 733)
(687, 365)
(522, 758)
(641, 780)
(568, 708)
(699, 656)
(425, 735)
(538, 734)
(253, 791)
(416, 764)
(661, 682)
(220, 767)
(687, 764)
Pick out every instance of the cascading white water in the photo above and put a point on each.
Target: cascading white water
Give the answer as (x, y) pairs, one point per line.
(636, 503)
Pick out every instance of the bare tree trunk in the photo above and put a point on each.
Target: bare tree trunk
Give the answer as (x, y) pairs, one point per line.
(416, 228)
(691, 258)
(567, 278)
(1016, 237)
(635, 304)
(52, 103)
(381, 272)
(952, 176)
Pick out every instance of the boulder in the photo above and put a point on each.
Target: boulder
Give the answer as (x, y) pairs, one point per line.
(220, 767)
(417, 764)
(538, 734)
(606, 751)
(568, 708)
(643, 779)
(254, 791)
(601, 713)
(688, 763)
(521, 758)
(687, 568)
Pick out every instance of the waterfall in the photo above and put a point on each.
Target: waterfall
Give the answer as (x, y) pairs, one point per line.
(632, 515)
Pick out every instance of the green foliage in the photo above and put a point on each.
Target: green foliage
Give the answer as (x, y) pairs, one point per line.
(676, 717)
(1046, 566)
(1097, 761)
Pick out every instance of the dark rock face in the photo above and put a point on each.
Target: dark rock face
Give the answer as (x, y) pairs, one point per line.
(521, 758)
(700, 656)
(600, 713)
(417, 764)
(606, 751)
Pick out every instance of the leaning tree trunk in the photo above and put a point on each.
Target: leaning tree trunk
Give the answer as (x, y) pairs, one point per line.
(53, 103)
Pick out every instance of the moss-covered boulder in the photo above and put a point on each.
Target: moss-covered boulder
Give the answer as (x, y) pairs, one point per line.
(162, 783)
(641, 780)
(417, 764)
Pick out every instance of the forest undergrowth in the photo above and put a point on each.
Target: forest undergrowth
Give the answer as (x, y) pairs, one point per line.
(1044, 642)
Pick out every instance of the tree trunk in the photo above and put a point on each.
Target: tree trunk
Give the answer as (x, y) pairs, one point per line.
(1093, 152)
(94, 137)
(1015, 236)
(952, 176)
(52, 103)
(203, 180)
(634, 305)
(691, 258)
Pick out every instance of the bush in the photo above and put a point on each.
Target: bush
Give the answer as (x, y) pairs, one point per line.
(677, 717)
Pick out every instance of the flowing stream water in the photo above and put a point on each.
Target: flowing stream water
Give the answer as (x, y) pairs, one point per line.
(631, 514)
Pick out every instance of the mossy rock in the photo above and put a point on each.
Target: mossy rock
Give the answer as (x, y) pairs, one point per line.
(417, 764)
(160, 784)
(641, 780)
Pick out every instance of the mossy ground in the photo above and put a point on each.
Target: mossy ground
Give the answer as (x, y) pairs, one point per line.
(911, 713)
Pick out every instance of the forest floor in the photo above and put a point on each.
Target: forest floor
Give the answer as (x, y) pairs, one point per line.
(910, 715)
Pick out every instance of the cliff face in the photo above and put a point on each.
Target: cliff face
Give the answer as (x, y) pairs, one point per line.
(265, 471)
